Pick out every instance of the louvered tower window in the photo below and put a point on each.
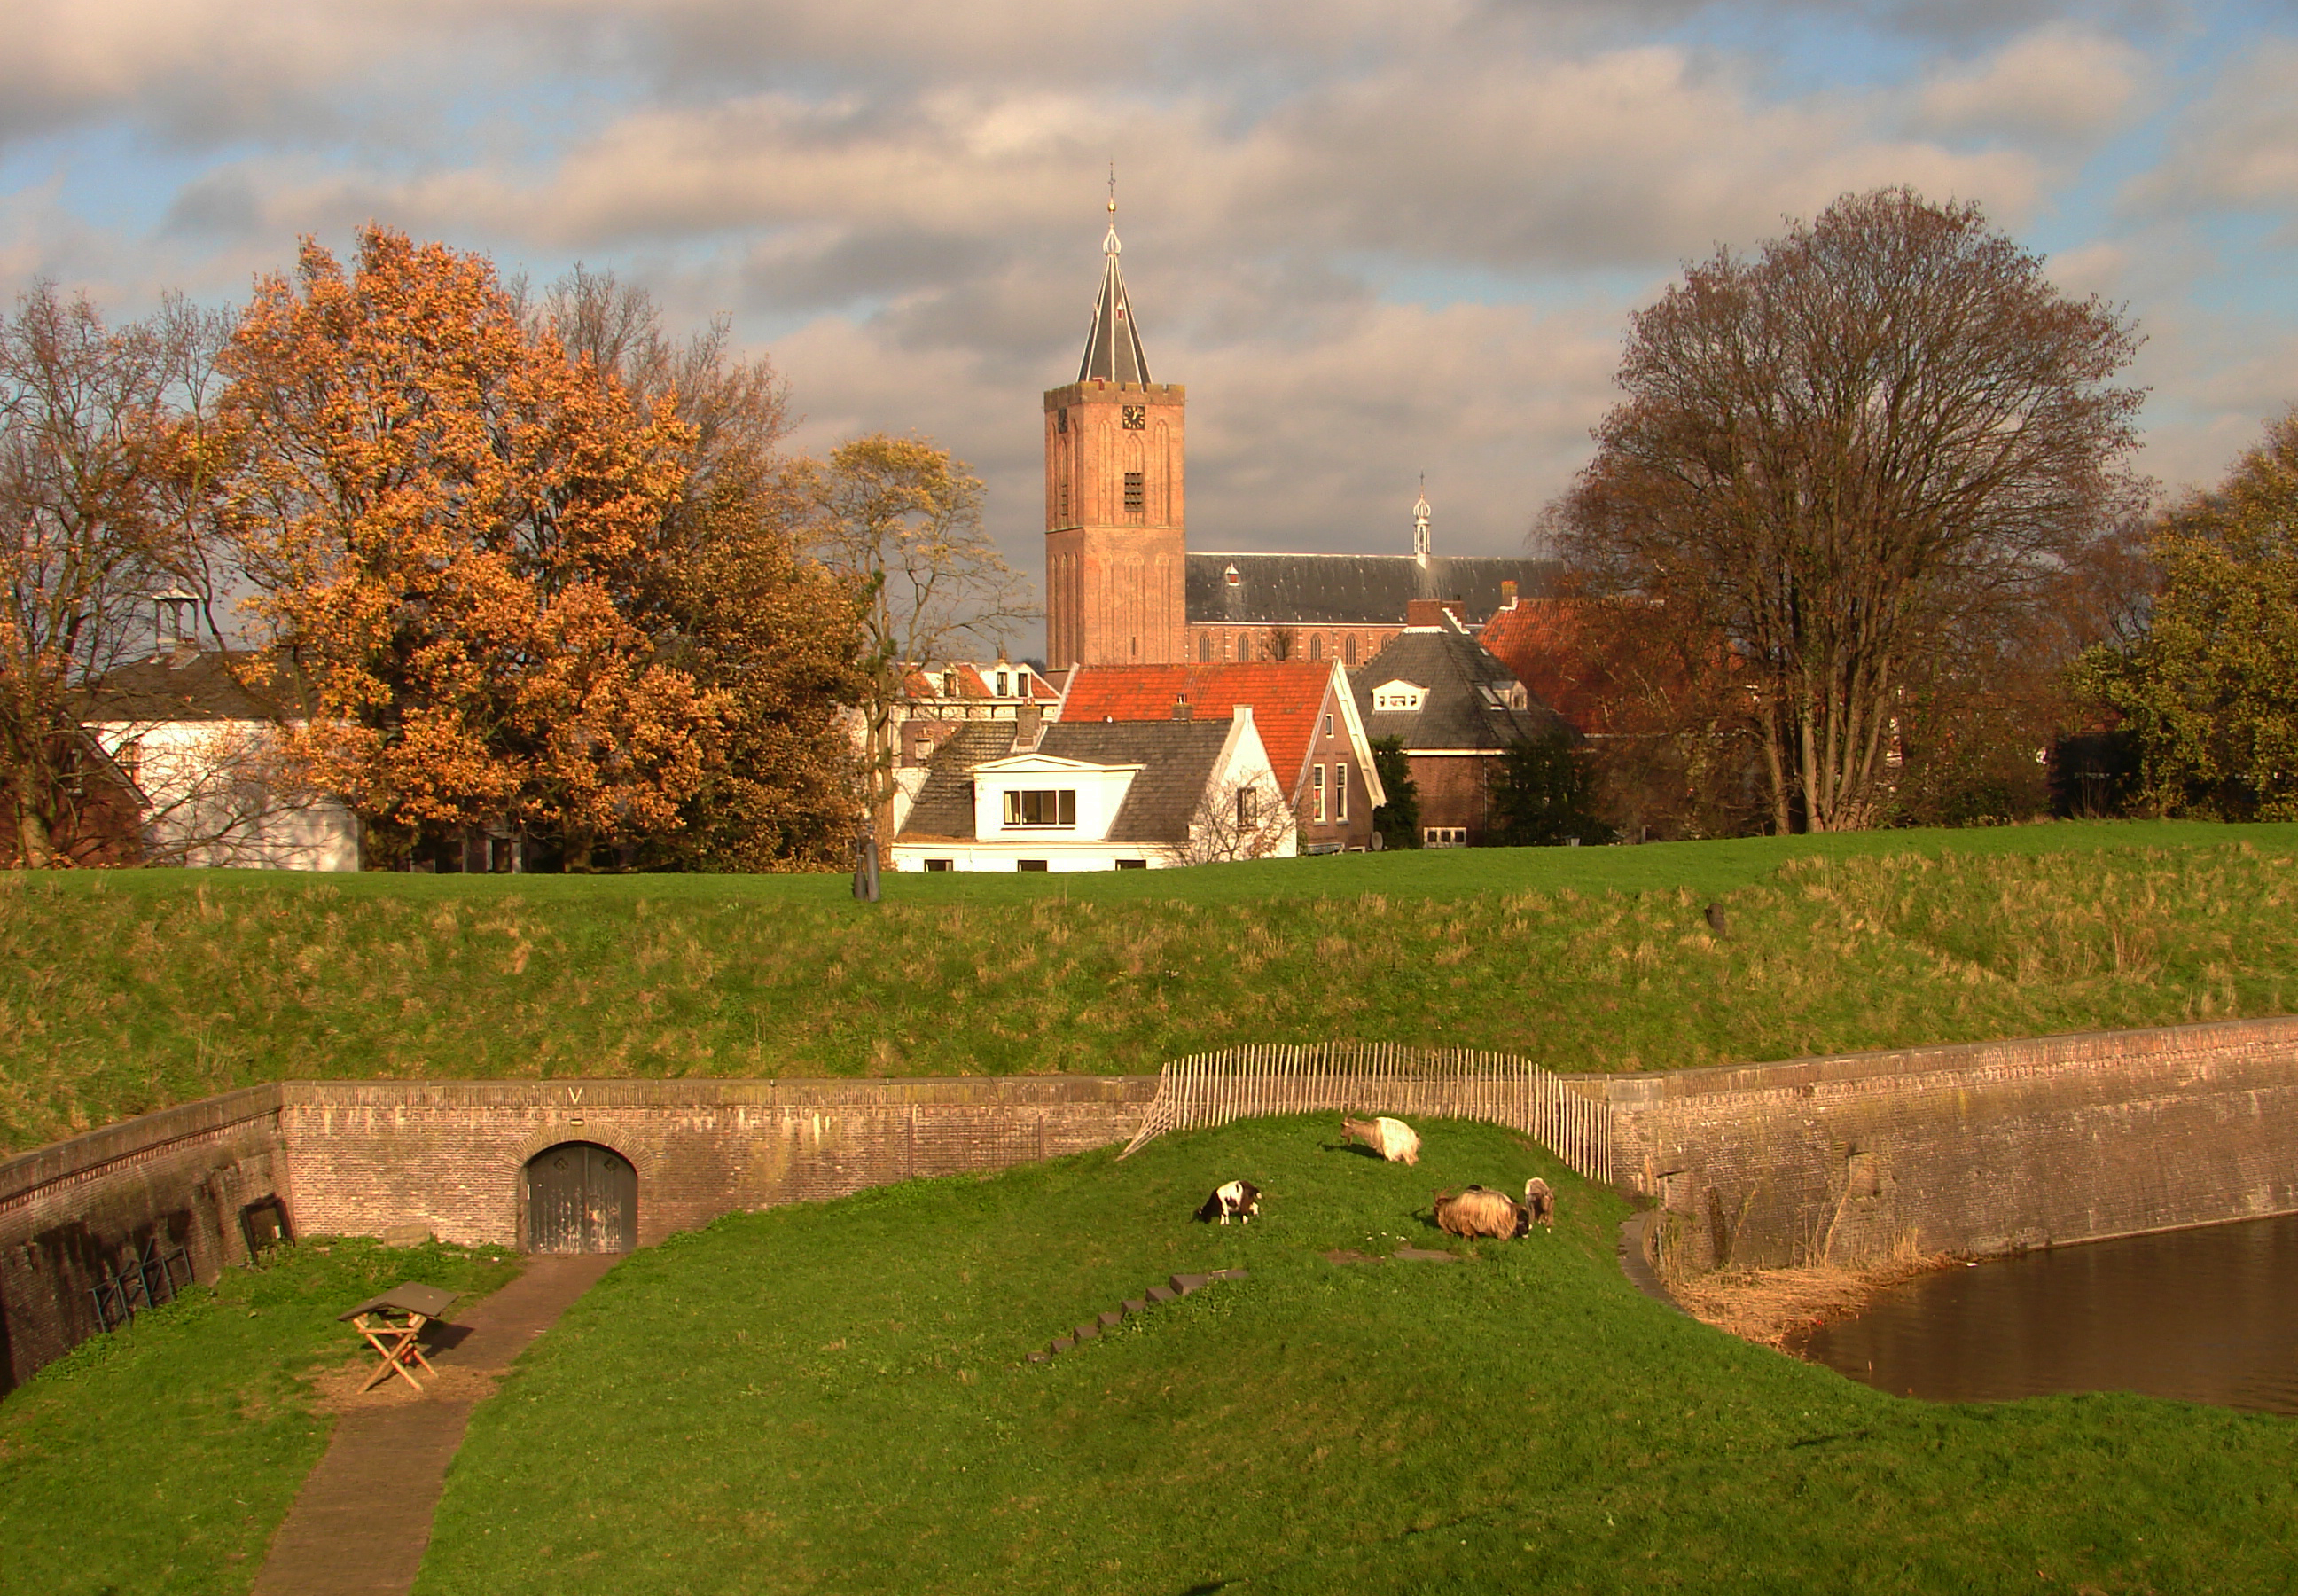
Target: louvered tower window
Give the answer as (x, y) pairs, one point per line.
(1135, 495)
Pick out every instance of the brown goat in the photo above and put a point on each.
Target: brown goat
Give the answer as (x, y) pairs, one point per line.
(1393, 1139)
(1539, 1202)
(1478, 1211)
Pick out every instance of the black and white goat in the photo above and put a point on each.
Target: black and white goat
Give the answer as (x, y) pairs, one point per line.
(1238, 1197)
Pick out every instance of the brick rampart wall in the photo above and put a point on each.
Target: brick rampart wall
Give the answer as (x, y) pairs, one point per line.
(1982, 1148)
(70, 1212)
(1977, 1149)
(450, 1156)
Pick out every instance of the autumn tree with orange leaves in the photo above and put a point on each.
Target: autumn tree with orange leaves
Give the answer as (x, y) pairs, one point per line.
(445, 518)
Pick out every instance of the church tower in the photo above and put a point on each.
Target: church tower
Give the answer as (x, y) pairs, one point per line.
(1115, 556)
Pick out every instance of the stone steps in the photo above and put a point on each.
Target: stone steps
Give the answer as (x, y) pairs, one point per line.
(1175, 1287)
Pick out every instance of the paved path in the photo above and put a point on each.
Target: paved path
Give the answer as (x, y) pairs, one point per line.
(361, 1521)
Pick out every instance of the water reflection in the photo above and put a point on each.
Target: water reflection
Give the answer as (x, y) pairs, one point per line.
(2203, 1316)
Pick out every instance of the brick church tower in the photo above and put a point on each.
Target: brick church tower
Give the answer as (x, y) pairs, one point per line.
(1115, 558)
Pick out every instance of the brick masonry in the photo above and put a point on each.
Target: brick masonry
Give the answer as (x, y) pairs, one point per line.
(70, 1212)
(359, 1158)
(1979, 1149)
(1975, 1149)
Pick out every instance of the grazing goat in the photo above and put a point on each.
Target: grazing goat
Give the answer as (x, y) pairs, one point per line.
(1478, 1211)
(1539, 1202)
(1393, 1139)
(1238, 1197)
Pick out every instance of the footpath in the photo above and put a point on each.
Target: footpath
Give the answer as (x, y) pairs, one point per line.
(362, 1521)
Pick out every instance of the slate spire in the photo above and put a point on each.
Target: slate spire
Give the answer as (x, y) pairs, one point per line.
(1113, 349)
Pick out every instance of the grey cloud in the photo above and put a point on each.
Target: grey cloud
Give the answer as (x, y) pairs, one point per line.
(2237, 147)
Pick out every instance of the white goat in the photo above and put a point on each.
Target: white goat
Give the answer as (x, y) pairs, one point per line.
(1393, 1139)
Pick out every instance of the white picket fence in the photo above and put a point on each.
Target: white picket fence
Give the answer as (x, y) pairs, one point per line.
(1376, 1078)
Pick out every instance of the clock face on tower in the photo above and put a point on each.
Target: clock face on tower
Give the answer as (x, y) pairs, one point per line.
(1136, 418)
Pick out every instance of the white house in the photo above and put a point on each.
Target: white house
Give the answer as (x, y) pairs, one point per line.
(1101, 795)
(200, 744)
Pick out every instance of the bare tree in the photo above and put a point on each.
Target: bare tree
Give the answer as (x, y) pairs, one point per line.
(1237, 820)
(903, 518)
(104, 446)
(1886, 429)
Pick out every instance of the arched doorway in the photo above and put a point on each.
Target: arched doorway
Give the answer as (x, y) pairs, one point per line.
(581, 1198)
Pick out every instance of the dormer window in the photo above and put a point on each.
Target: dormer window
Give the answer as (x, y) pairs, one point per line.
(1231, 577)
(1399, 698)
(949, 684)
(1041, 808)
(1005, 685)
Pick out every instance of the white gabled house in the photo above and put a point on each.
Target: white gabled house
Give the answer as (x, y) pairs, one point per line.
(200, 747)
(1098, 795)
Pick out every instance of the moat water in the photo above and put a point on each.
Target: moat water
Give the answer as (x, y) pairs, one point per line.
(2202, 1316)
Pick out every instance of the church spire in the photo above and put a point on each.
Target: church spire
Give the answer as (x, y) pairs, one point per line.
(1113, 349)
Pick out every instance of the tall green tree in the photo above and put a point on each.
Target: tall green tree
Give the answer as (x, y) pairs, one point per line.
(1884, 430)
(1543, 794)
(2210, 691)
(1398, 821)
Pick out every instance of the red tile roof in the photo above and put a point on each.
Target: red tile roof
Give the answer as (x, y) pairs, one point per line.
(1285, 698)
(1540, 640)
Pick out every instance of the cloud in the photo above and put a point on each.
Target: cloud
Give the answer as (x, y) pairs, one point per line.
(2237, 147)
(2060, 82)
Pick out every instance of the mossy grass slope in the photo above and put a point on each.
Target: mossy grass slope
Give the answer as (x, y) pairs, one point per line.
(833, 1399)
(162, 1456)
(125, 992)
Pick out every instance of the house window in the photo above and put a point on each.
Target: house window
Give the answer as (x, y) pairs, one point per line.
(1248, 806)
(1349, 649)
(1041, 808)
(1028, 864)
(1444, 835)
(1005, 685)
(949, 684)
(1317, 785)
(1340, 789)
(1132, 865)
(130, 758)
(1136, 495)
(941, 864)
(924, 749)
(1328, 725)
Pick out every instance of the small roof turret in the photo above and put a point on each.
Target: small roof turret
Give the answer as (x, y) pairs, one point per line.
(1113, 349)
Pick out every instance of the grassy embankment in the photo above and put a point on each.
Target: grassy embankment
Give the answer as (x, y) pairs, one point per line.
(831, 1399)
(121, 992)
(162, 1457)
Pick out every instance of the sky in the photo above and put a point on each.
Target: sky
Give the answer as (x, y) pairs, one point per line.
(1374, 240)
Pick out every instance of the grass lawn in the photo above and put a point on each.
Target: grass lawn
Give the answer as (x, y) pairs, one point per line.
(832, 1399)
(122, 992)
(160, 1458)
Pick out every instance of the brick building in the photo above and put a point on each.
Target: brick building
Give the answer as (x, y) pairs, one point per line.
(1457, 709)
(1122, 587)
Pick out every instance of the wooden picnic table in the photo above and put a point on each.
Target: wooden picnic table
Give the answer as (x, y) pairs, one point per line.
(391, 1323)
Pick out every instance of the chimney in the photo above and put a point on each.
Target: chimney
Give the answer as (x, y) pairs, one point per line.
(1182, 710)
(1424, 612)
(1508, 594)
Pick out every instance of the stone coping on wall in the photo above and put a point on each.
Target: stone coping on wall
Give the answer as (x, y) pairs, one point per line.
(28, 1172)
(1021, 1091)
(2026, 1053)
